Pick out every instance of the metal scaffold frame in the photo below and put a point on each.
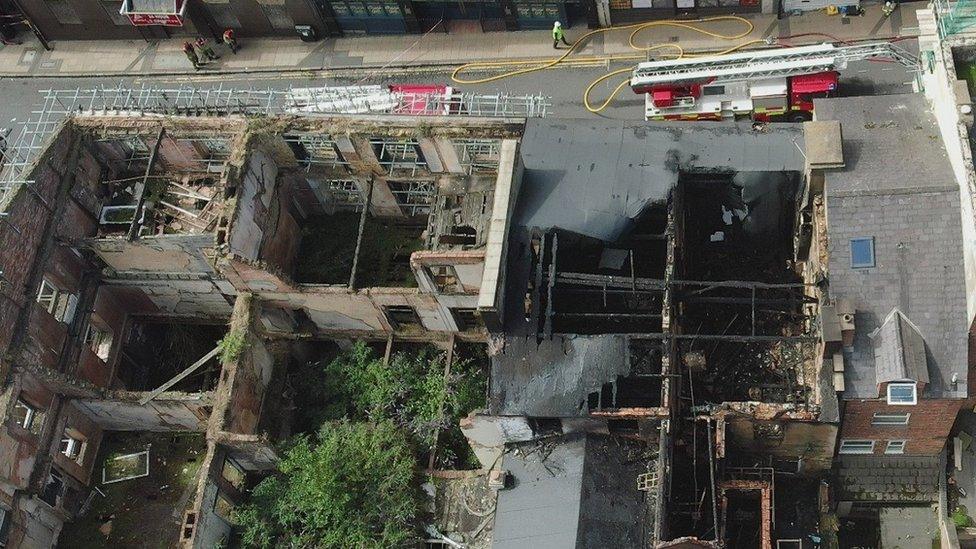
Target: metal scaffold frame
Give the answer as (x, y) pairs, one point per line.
(56, 105)
(954, 17)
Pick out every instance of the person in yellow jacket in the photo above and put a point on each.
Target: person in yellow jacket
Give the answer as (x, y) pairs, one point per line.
(558, 36)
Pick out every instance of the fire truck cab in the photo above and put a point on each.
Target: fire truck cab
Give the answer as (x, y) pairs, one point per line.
(774, 84)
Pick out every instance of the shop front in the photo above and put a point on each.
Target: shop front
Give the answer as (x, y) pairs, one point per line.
(369, 16)
(632, 11)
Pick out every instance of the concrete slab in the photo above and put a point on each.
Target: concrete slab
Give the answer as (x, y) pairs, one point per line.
(909, 527)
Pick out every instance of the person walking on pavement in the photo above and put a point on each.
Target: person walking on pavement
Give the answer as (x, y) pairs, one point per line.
(557, 35)
(231, 40)
(206, 50)
(191, 55)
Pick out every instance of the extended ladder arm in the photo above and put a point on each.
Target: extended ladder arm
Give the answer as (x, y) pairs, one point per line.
(761, 64)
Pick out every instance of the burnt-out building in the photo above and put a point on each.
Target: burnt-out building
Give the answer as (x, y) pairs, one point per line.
(139, 248)
(663, 321)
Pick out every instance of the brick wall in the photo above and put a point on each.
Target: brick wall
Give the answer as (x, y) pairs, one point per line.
(77, 421)
(926, 433)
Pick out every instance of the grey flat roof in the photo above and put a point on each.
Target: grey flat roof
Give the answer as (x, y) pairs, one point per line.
(594, 176)
(578, 491)
(542, 510)
(552, 378)
(897, 187)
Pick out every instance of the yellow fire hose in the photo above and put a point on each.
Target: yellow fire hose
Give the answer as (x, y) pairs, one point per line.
(564, 60)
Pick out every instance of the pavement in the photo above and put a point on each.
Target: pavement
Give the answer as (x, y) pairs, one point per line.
(106, 58)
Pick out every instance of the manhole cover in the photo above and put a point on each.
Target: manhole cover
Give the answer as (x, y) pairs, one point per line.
(28, 57)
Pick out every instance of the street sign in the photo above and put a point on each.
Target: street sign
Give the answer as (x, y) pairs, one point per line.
(164, 19)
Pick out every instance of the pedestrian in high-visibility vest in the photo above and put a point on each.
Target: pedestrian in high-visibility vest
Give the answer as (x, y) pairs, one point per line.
(558, 36)
(191, 55)
(231, 40)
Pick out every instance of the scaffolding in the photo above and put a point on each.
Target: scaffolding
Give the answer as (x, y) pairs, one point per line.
(56, 105)
(954, 17)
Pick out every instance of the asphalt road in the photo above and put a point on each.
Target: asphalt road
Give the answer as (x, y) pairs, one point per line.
(564, 86)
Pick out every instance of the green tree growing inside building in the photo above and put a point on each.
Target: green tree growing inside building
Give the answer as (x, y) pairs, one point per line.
(353, 485)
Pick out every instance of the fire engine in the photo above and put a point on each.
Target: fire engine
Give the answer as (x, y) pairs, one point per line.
(772, 84)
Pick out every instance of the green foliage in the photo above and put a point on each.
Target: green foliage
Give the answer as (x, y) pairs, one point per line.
(409, 391)
(232, 346)
(354, 485)
(960, 517)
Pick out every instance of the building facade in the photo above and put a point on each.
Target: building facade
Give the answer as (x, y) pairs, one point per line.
(143, 19)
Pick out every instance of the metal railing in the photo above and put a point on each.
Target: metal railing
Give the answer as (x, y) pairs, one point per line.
(56, 105)
(954, 17)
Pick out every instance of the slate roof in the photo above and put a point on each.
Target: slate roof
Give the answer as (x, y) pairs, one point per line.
(889, 478)
(899, 350)
(897, 186)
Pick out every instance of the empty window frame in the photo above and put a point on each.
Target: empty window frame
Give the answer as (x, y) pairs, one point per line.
(402, 317)
(59, 303)
(126, 467)
(73, 445)
(467, 319)
(445, 278)
(854, 447)
(27, 417)
(315, 149)
(346, 194)
(53, 489)
(890, 419)
(902, 394)
(399, 156)
(224, 507)
(233, 474)
(99, 341)
(478, 155)
(895, 447)
(413, 197)
(862, 252)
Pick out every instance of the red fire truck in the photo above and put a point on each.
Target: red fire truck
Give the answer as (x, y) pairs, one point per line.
(773, 84)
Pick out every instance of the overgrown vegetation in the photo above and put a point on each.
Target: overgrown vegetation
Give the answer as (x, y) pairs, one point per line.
(960, 517)
(232, 346)
(353, 485)
(350, 480)
(329, 246)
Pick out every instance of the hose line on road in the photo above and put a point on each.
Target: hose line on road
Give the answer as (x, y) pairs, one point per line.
(636, 29)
